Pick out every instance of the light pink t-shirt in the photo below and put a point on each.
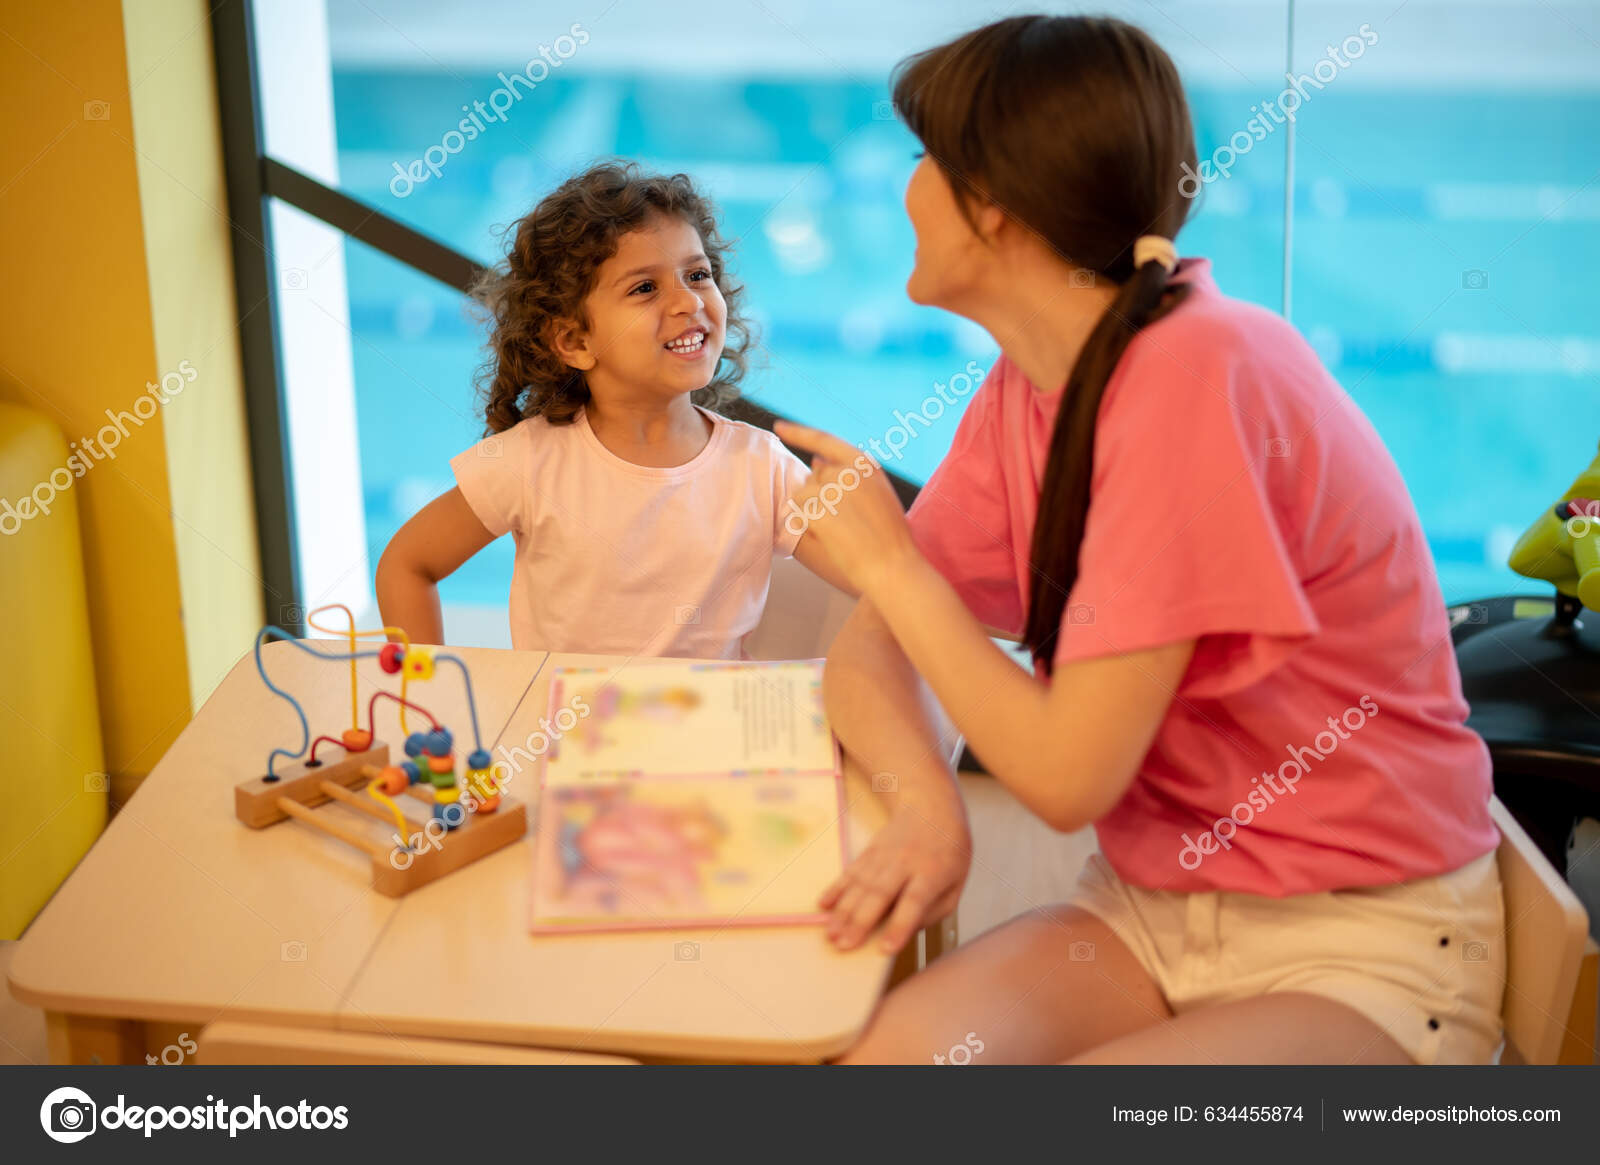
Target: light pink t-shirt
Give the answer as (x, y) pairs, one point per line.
(1240, 498)
(621, 559)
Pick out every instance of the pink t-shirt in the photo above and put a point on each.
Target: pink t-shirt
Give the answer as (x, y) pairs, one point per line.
(1241, 499)
(622, 559)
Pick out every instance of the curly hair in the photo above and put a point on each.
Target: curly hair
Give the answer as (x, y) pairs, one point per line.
(550, 269)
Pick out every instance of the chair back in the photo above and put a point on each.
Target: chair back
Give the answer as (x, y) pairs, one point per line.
(803, 615)
(1546, 927)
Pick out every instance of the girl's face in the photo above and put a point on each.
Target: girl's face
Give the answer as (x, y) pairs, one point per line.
(656, 316)
(950, 257)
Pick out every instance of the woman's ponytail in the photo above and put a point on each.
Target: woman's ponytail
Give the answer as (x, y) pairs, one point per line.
(1069, 469)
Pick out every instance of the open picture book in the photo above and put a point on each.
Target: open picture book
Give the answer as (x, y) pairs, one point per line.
(687, 793)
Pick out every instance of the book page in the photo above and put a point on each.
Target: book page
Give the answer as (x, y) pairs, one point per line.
(673, 850)
(731, 718)
(688, 793)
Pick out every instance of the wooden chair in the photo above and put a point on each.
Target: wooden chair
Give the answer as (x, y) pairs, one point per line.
(1552, 965)
(802, 617)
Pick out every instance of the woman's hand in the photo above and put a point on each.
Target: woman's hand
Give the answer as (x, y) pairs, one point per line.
(913, 871)
(851, 508)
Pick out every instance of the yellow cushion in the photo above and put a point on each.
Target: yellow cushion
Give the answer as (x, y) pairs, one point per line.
(52, 784)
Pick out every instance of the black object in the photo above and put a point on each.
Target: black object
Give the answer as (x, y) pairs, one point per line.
(1530, 668)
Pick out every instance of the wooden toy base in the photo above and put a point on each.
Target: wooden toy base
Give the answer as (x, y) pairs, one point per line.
(431, 853)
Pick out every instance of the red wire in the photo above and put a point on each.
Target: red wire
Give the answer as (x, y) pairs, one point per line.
(372, 724)
(319, 740)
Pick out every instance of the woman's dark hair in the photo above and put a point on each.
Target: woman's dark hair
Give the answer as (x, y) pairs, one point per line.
(1078, 129)
(550, 269)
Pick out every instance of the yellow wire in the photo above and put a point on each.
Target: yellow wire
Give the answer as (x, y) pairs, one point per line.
(405, 641)
(400, 817)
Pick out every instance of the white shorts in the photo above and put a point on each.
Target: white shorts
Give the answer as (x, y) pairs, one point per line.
(1424, 960)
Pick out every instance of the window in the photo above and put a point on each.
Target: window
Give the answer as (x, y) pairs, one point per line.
(1421, 161)
(1446, 200)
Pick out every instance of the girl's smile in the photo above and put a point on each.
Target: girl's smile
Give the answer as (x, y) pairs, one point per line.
(690, 345)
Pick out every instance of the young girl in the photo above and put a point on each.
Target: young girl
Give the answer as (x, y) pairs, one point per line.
(645, 523)
(1243, 673)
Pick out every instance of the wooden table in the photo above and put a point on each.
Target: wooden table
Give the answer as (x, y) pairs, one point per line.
(180, 916)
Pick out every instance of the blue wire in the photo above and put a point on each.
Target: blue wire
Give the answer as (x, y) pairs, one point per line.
(477, 741)
(305, 728)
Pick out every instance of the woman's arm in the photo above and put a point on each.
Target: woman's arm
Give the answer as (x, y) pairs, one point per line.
(883, 716)
(437, 540)
(1067, 749)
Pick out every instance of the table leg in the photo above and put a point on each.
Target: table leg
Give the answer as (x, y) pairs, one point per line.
(939, 939)
(94, 1039)
(906, 963)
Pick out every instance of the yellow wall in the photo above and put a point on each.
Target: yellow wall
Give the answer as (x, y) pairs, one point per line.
(115, 241)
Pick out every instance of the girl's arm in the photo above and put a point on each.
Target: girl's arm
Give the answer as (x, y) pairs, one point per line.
(437, 540)
(885, 719)
(808, 552)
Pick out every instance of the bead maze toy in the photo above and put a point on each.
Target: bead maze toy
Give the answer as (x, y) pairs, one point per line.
(469, 816)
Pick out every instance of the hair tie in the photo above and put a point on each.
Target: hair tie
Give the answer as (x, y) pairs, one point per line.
(1157, 247)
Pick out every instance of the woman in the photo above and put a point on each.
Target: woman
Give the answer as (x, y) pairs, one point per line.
(1243, 675)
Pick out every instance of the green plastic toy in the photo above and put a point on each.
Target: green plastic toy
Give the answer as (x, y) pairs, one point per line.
(1563, 546)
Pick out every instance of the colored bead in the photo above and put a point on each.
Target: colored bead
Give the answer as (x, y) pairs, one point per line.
(412, 772)
(478, 759)
(393, 780)
(439, 742)
(489, 804)
(481, 782)
(419, 664)
(390, 656)
(447, 807)
(356, 739)
(415, 743)
(441, 764)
